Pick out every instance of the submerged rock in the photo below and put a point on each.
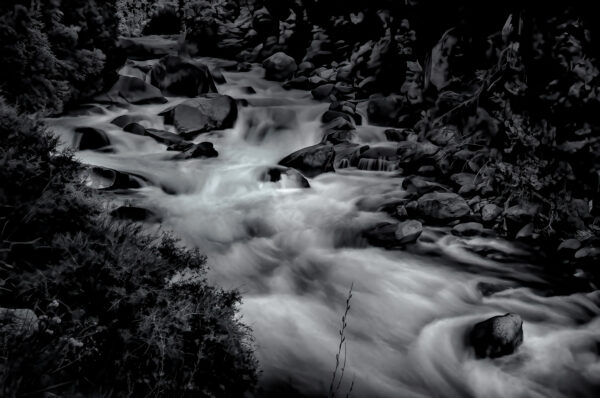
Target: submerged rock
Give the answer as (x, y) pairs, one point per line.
(497, 336)
(279, 66)
(205, 113)
(311, 161)
(176, 76)
(277, 174)
(109, 179)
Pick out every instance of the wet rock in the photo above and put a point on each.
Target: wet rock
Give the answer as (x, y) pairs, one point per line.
(132, 71)
(305, 68)
(329, 116)
(109, 179)
(395, 135)
(135, 128)
(588, 253)
(131, 90)
(205, 113)
(279, 66)
(417, 154)
(468, 229)
(324, 91)
(311, 161)
(421, 186)
(526, 233)
(339, 136)
(277, 174)
(181, 146)
(165, 137)
(519, 215)
(379, 158)
(134, 213)
(348, 154)
(346, 107)
(487, 289)
(147, 47)
(196, 151)
(298, 83)
(443, 206)
(490, 212)
(124, 120)
(91, 138)
(497, 336)
(408, 231)
(443, 136)
(19, 322)
(382, 235)
(176, 76)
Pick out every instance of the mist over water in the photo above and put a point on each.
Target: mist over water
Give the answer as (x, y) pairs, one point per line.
(294, 253)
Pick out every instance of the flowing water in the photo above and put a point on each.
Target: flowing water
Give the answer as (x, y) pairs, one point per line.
(294, 253)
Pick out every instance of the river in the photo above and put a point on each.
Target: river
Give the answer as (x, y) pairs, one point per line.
(293, 253)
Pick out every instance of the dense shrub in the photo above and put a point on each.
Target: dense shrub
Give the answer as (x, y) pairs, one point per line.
(56, 53)
(110, 322)
(164, 21)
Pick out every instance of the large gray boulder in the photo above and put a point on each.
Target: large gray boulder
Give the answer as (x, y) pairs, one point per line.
(497, 336)
(442, 206)
(177, 76)
(279, 66)
(311, 161)
(199, 115)
(408, 231)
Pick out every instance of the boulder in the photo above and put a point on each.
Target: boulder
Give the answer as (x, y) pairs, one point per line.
(91, 138)
(324, 91)
(442, 206)
(135, 128)
(177, 76)
(330, 116)
(131, 90)
(497, 336)
(201, 150)
(408, 231)
(166, 137)
(383, 111)
(279, 66)
(421, 186)
(395, 135)
(205, 113)
(311, 161)
(382, 235)
(124, 120)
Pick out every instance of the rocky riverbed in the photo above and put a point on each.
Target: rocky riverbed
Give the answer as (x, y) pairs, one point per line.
(295, 190)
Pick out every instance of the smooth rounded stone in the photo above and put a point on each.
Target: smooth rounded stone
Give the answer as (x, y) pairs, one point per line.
(91, 138)
(131, 90)
(490, 212)
(587, 252)
(323, 91)
(202, 114)
(521, 213)
(133, 71)
(176, 76)
(21, 322)
(339, 136)
(468, 229)
(124, 120)
(408, 231)
(196, 151)
(421, 186)
(311, 161)
(298, 83)
(569, 245)
(442, 206)
(498, 336)
(526, 233)
(339, 123)
(279, 67)
(134, 213)
(278, 174)
(109, 179)
(135, 128)
(305, 68)
(487, 289)
(462, 179)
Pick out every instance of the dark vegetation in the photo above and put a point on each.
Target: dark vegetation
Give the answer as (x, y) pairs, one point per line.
(88, 306)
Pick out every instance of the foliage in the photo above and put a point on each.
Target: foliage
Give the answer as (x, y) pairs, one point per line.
(121, 313)
(55, 53)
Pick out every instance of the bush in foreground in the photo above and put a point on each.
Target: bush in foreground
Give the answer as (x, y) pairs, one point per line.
(119, 313)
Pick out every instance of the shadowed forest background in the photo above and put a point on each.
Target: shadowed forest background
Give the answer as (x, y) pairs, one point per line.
(492, 110)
